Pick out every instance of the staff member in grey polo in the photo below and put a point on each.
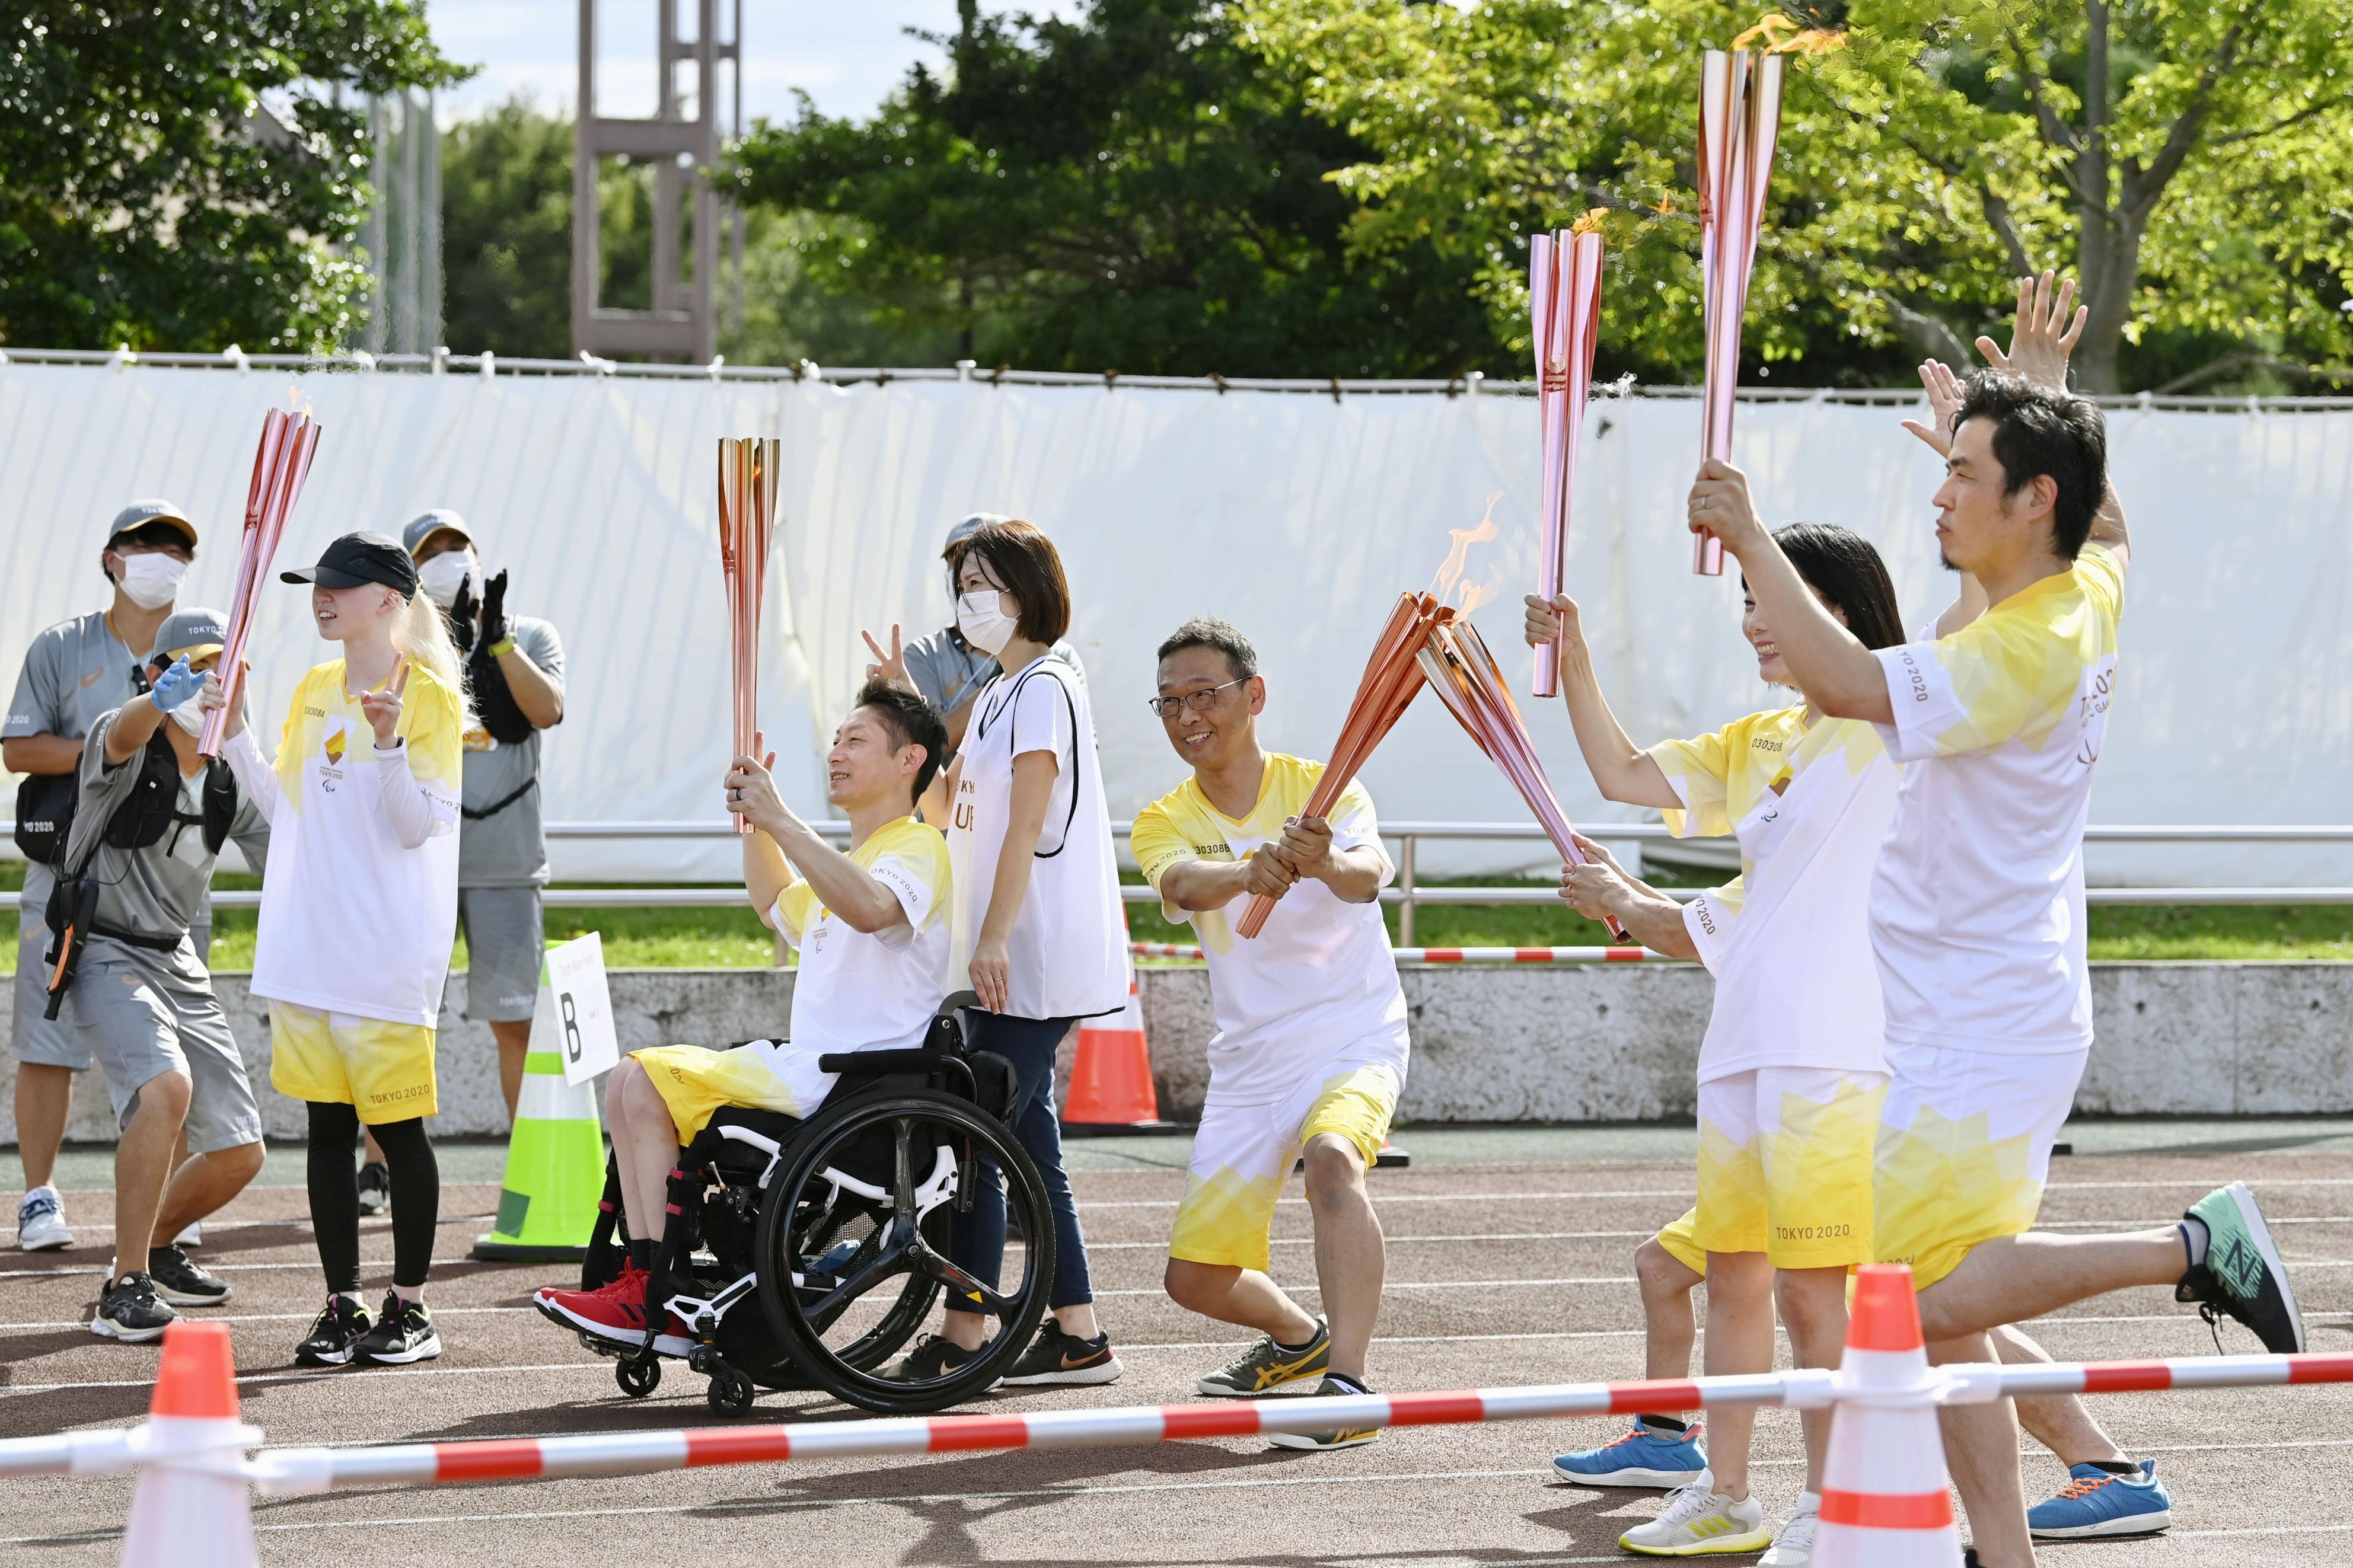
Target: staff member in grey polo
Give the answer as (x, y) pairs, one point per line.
(151, 817)
(515, 667)
(73, 672)
(949, 671)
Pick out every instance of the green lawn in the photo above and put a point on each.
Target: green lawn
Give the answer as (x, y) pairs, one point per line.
(734, 939)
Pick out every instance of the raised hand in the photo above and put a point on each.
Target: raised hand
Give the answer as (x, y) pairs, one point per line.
(214, 695)
(891, 665)
(462, 610)
(1719, 503)
(382, 706)
(2042, 336)
(174, 686)
(1551, 622)
(494, 611)
(1943, 390)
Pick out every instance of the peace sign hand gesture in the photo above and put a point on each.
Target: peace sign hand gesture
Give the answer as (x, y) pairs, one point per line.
(890, 666)
(382, 706)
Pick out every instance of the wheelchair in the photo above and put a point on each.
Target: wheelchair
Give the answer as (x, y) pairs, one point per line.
(807, 1254)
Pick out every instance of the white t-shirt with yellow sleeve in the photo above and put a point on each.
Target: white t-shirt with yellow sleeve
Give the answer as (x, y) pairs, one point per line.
(1790, 941)
(1317, 988)
(359, 901)
(858, 991)
(1977, 911)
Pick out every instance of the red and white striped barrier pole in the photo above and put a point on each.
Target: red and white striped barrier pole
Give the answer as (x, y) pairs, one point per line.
(1460, 954)
(633, 1453)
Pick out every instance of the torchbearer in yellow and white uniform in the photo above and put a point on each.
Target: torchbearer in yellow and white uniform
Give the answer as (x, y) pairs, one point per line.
(1977, 909)
(1790, 1073)
(871, 928)
(1311, 1047)
(359, 904)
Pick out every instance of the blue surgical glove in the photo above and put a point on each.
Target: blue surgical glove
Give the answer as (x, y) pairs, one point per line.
(174, 686)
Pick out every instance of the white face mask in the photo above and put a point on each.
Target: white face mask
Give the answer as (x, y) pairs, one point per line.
(150, 580)
(981, 617)
(442, 576)
(188, 717)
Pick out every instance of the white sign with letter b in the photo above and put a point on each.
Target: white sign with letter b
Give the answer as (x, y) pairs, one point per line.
(575, 1016)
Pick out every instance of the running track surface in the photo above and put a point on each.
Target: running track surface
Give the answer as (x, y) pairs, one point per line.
(1511, 1272)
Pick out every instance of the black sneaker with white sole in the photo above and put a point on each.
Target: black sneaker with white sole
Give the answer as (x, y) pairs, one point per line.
(341, 1325)
(375, 1187)
(179, 1282)
(402, 1335)
(1057, 1358)
(129, 1310)
(934, 1357)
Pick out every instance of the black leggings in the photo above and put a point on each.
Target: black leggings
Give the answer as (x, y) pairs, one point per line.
(416, 1181)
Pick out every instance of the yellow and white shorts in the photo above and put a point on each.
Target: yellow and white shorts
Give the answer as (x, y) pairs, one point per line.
(1784, 1164)
(1964, 1149)
(1681, 1240)
(1243, 1154)
(694, 1081)
(382, 1070)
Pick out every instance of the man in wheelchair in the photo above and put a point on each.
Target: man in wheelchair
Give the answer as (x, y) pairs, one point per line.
(872, 927)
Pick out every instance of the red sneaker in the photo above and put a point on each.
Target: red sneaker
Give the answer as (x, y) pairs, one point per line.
(614, 1312)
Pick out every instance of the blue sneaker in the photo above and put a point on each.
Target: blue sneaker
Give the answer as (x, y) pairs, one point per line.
(1644, 1457)
(2099, 1502)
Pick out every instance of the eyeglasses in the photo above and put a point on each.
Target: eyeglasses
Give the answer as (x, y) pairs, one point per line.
(1199, 701)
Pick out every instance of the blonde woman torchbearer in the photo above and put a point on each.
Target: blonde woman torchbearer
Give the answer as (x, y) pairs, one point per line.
(358, 906)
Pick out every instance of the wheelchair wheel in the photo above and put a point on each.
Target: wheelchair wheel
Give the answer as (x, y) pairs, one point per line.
(637, 1378)
(854, 1245)
(730, 1393)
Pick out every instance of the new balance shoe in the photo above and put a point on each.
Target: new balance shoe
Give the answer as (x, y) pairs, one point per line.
(1055, 1357)
(1646, 1456)
(934, 1357)
(41, 1222)
(1793, 1545)
(128, 1310)
(339, 1326)
(2241, 1274)
(1267, 1366)
(181, 1282)
(614, 1312)
(1700, 1522)
(403, 1334)
(375, 1187)
(2096, 1502)
(1333, 1386)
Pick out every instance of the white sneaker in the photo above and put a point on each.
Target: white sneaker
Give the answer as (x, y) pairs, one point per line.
(41, 1222)
(1794, 1546)
(1700, 1522)
(193, 1236)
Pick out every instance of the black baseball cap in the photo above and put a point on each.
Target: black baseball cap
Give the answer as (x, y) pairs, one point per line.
(358, 558)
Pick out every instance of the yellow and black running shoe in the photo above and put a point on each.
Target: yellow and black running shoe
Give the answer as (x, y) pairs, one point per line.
(1267, 1366)
(1336, 1387)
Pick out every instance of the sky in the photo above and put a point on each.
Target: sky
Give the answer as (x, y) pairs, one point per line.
(846, 54)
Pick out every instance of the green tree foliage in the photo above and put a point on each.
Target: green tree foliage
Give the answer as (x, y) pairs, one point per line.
(2178, 154)
(1132, 189)
(148, 197)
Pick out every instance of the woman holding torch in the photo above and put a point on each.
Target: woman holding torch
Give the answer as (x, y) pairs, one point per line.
(358, 906)
(1791, 1073)
(1037, 928)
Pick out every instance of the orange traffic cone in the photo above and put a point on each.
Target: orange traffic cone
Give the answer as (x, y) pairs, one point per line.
(1885, 1497)
(192, 1509)
(1111, 1079)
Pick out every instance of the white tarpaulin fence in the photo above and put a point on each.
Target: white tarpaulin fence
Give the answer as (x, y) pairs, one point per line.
(1297, 517)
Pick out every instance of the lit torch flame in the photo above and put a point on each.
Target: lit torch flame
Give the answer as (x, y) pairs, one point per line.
(1458, 556)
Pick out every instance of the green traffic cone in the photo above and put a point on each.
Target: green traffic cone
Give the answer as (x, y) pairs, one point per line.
(556, 1170)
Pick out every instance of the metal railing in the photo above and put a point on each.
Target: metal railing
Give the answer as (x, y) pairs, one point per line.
(1407, 893)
